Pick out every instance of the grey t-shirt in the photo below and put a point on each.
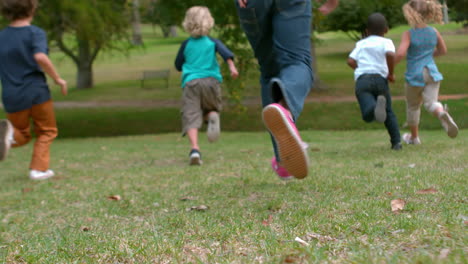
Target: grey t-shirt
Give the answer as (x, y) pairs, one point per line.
(23, 82)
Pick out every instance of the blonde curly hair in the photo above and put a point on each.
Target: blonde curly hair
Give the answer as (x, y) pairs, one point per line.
(419, 12)
(198, 21)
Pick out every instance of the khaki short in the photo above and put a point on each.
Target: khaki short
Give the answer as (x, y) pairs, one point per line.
(200, 97)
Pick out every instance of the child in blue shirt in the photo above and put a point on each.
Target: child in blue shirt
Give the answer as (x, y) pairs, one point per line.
(373, 61)
(201, 78)
(25, 93)
(420, 45)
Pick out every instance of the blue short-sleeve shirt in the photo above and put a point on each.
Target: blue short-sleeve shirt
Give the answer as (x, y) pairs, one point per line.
(23, 82)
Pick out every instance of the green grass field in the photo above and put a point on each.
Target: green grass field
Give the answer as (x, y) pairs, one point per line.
(342, 210)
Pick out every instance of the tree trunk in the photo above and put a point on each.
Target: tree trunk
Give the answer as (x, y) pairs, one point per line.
(136, 24)
(84, 64)
(173, 31)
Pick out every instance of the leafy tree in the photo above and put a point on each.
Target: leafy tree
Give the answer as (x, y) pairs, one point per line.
(351, 16)
(459, 9)
(84, 28)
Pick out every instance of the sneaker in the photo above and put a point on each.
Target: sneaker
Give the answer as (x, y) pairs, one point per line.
(282, 173)
(449, 125)
(380, 110)
(397, 146)
(6, 137)
(290, 146)
(213, 129)
(195, 157)
(41, 175)
(408, 140)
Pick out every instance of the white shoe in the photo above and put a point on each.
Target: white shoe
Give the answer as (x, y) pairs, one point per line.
(213, 129)
(40, 175)
(6, 137)
(380, 111)
(449, 125)
(195, 157)
(410, 141)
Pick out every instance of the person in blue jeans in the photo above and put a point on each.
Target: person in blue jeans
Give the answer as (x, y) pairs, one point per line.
(279, 33)
(373, 62)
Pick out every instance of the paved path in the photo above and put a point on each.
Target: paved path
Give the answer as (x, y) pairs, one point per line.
(250, 101)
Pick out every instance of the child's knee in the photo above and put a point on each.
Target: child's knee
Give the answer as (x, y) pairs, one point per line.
(431, 107)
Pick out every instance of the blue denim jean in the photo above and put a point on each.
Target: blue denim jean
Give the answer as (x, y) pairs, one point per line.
(279, 33)
(368, 87)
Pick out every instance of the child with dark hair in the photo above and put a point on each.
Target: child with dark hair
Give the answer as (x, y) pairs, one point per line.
(373, 62)
(25, 93)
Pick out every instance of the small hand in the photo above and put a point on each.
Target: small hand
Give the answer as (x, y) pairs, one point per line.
(242, 3)
(391, 78)
(234, 72)
(63, 85)
(328, 7)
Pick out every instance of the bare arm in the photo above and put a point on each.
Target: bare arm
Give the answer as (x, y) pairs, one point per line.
(242, 3)
(46, 65)
(403, 48)
(328, 6)
(352, 63)
(441, 48)
(232, 68)
(390, 56)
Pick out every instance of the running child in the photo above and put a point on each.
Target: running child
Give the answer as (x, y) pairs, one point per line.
(201, 78)
(373, 62)
(279, 33)
(420, 45)
(25, 93)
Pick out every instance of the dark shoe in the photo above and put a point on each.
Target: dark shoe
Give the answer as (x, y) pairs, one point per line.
(397, 146)
(380, 111)
(195, 157)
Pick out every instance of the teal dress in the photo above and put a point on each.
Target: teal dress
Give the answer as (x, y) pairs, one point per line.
(420, 55)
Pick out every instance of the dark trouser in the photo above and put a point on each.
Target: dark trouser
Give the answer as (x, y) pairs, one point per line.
(368, 87)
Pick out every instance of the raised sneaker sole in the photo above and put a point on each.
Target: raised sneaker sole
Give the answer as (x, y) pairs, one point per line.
(292, 154)
(213, 129)
(5, 132)
(380, 111)
(195, 159)
(450, 127)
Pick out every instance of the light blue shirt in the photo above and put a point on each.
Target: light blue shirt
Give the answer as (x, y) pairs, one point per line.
(197, 58)
(420, 55)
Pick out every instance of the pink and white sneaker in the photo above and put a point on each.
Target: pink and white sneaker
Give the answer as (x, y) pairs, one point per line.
(282, 173)
(292, 154)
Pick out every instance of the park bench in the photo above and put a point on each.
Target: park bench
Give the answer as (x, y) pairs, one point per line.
(155, 74)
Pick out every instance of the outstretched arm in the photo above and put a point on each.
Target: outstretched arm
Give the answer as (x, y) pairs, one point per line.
(441, 48)
(328, 6)
(46, 65)
(403, 48)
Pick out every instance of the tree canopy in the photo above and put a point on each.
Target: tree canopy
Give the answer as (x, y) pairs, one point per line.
(84, 28)
(351, 16)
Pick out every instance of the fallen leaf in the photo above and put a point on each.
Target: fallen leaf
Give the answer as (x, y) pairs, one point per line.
(198, 208)
(85, 228)
(26, 190)
(300, 241)
(115, 197)
(187, 198)
(427, 191)
(268, 221)
(444, 253)
(397, 205)
(291, 259)
(412, 166)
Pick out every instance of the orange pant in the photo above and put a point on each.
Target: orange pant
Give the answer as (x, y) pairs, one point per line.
(45, 128)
